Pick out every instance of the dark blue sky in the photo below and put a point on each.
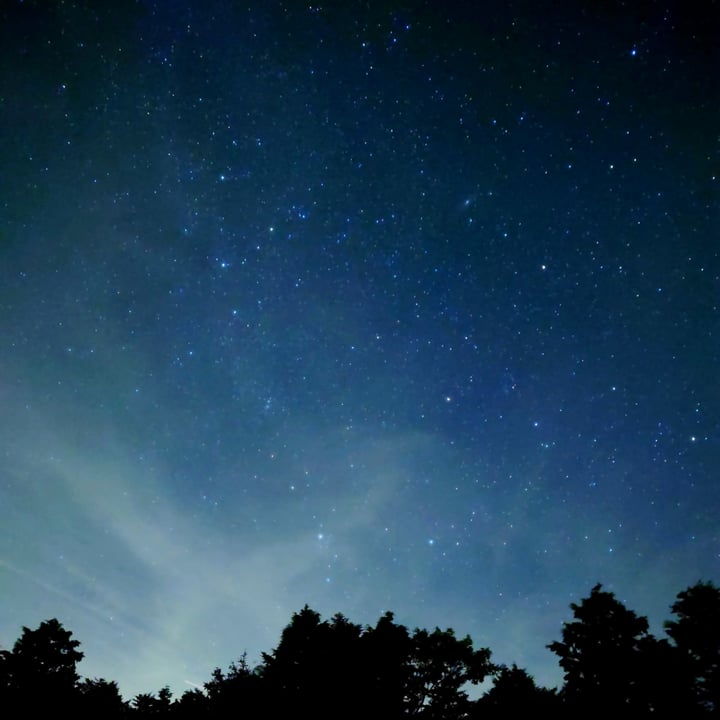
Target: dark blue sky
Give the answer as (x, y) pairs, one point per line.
(408, 307)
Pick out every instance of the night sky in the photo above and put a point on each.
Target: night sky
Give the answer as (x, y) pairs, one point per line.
(369, 306)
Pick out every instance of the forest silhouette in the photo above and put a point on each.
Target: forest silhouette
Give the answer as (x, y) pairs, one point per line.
(335, 668)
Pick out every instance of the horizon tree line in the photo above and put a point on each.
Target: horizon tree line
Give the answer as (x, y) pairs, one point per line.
(335, 668)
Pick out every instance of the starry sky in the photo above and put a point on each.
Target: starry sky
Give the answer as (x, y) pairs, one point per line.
(372, 306)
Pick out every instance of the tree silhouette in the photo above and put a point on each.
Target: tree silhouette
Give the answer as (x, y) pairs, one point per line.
(328, 669)
(147, 705)
(99, 698)
(515, 693)
(314, 668)
(602, 653)
(195, 705)
(441, 665)
(242, 687)
(386, 649)
(41, 669)
(696, 635)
